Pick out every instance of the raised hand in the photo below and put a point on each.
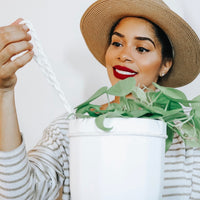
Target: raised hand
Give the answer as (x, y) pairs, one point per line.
(14, 39)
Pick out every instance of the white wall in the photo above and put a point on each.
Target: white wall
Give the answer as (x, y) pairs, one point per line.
(57, 25)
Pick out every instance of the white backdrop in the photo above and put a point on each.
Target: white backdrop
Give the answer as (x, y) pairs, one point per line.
(57, 25)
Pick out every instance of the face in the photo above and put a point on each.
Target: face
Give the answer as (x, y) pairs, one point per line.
(135, 51)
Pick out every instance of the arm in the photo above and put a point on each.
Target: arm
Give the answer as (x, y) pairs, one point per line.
(41, 174)
(44, 171)
(13, 40)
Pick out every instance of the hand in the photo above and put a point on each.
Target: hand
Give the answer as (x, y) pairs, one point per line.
(14, 39)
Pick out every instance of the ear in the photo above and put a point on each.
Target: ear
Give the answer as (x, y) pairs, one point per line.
(165, 67)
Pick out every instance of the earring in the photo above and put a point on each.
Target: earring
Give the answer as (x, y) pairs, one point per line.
(162, 74)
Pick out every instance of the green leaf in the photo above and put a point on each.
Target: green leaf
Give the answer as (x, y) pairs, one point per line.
(136, 113)
(197, 98)
(97, 94)
(113, 107)
(140, 94)
(166, 104)
(122, 87)
(174, 105)
(124, 104)
(194, 142)
(100, 123)
(152, 109)
(157, 97)
(196, 106)
(133, 105)
(188, 130)
(87, 107)
(173, 114)
(173, 94)
(160, 100)
(100, 120)
(153, 116)
(196, 120)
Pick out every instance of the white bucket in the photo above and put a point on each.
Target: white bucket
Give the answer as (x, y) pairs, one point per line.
(123, 164)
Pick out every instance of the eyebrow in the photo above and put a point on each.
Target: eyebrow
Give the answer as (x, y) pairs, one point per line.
(137, 38)
(145, 38)
(118, 34)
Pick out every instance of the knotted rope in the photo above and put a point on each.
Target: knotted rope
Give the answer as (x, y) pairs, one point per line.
(44, 64)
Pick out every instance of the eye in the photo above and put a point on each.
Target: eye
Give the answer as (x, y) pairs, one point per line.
(142, 49)
(117, 44)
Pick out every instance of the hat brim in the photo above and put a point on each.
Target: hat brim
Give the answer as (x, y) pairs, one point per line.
(98, 19)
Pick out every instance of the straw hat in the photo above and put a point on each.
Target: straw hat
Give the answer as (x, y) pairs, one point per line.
(98, 19)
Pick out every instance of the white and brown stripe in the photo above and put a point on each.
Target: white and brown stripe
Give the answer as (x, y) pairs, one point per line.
(182, 172)
(43, 173)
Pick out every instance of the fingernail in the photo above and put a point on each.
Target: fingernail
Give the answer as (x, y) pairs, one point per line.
(25, 27)
(31, 45)
(31, 52)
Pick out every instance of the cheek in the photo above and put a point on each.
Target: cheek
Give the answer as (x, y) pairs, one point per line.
(111, 55)
(109, 64)
(151, 65)
(107, 61)
(108, 57)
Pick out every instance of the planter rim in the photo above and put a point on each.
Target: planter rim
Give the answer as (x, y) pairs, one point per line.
(120, 127)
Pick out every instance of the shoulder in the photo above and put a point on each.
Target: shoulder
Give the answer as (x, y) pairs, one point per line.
(60, 121)
(58, 127)
(56, 133)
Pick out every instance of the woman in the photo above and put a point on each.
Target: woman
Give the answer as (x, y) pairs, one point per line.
(127, 37)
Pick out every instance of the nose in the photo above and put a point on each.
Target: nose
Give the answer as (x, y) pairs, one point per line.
(125, 55)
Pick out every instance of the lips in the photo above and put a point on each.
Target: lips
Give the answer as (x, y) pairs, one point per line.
(122, 72)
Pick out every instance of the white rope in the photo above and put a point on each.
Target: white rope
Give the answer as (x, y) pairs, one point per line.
(42, 60)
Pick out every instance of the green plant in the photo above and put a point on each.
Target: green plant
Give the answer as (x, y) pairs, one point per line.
(167, 104)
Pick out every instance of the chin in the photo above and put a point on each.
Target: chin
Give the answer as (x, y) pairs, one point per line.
(114, 81)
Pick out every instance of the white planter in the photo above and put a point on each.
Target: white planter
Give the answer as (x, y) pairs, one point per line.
(123, 164)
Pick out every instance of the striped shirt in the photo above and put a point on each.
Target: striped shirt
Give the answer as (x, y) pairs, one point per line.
(42, 172)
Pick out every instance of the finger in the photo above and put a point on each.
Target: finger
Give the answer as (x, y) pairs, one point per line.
(14, 33)
(17, 21)
(11, 67)
(13, 49)
(14, 27)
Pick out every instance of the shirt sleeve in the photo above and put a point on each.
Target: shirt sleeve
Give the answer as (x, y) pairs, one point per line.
(40, 173)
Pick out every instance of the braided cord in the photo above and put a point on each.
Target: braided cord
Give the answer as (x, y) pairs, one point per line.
(44, 64)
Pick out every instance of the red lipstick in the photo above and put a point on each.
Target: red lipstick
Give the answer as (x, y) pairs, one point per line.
(122, 72)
